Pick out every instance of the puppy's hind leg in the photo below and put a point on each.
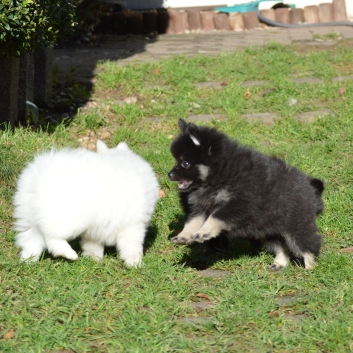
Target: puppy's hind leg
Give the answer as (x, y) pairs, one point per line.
(282, 256)
(309, 261)
(31, 243)
(91, 248)
(130, 244)
(306, 246)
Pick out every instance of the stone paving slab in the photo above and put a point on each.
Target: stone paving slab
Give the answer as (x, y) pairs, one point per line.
(200, 306)
(342, 78)
(215, 85)
(140, 49)
(266, 118)
(213, 273)
(206, 117)
(309, 117)
(254, 83)
(195, 320)
(309, 80)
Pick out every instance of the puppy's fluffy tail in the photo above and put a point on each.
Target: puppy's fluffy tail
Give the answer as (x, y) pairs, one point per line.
(318, 186)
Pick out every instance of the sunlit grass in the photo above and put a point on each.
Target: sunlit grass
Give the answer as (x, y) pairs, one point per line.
(84, 306)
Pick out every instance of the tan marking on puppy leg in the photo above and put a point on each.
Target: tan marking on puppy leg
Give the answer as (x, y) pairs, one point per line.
(211, 229)
(281, 259)
(309, 261)
(191, 226)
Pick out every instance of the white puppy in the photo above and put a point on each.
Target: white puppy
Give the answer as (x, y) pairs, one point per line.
(107, 198)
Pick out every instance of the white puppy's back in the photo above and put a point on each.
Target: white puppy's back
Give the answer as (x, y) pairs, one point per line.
(63, 194)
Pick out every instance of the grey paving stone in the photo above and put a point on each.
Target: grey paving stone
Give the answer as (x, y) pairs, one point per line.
(254, 83)
(154, 119)
(279, 39)
(310, 80)
(195, 320)
(301, 38)
(206, 117)
(321, 43)
(207, 43)
(266, 118)
(213, 273)
(309, 117)
(342, 78)
(267, 92)
(200, 306)
(286, 300)
(216, 85)
(347, 32)
(295, 319)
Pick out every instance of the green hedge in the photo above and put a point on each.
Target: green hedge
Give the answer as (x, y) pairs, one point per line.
(87, 15)
(26, 25)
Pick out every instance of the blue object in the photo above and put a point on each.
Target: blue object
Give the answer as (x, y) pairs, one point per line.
(247, 7)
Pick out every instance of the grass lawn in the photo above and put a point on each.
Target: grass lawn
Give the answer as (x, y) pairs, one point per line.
(169, 305)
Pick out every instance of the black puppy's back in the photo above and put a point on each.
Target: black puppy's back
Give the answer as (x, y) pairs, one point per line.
(247, 193)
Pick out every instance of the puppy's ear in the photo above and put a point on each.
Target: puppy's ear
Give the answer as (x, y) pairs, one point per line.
(192, 129)
(194, 134)
(122, 146)
(183, 125)
(101, 147)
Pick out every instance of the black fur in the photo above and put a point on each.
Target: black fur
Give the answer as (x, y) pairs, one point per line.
(246, 193)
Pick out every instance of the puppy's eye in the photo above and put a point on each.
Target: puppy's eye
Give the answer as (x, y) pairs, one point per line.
(185, 164)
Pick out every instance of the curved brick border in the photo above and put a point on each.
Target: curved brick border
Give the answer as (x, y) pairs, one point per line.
(174, 21)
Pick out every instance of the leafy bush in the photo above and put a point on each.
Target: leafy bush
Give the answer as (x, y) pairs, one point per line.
(26, 25)
(87, 14)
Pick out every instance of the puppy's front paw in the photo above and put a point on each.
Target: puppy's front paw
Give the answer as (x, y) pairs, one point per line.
(201, 237)
(69, 255)
(181, 239)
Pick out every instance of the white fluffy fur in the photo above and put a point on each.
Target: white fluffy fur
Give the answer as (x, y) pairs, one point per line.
(107, 197)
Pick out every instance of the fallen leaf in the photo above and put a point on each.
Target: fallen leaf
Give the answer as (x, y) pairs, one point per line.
(224, 83)
(247, 94)
(9, 334)
(341, 91)
(170, 137)
(202, 295)
(273, 313)
(161, 193)
(156, 71)
(347, 250)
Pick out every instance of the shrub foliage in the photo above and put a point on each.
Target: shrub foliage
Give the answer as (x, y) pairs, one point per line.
(26, 25)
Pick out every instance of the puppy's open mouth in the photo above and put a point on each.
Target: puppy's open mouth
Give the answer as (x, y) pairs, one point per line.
(184, 184)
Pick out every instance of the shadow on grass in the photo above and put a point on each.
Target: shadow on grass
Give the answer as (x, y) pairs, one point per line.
(203, 256)
(75, 69)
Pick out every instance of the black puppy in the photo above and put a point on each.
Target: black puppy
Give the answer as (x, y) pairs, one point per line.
(227, 188)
